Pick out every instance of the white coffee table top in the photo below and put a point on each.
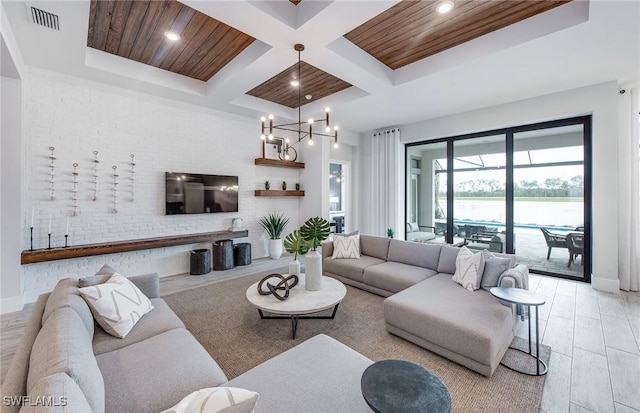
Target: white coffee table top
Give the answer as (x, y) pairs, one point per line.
(300, 300)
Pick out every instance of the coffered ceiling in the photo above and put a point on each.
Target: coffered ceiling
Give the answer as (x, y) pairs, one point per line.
(375, 62)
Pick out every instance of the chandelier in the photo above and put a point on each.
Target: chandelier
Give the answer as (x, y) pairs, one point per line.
(286, 150)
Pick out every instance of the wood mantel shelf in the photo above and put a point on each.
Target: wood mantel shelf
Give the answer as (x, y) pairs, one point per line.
(278, 163)
(277, 192)
(88, 250)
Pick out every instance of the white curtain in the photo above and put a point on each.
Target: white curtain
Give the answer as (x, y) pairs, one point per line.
(629, 189)
(384, 208)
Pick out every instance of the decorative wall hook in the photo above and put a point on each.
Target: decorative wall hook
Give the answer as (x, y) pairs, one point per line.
(115, 189)
(52, 173)
(75, 188)
(95, 175)
(133, 176)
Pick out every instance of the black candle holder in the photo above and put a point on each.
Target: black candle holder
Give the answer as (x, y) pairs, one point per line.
(66, 239)
(31, 249)
(49, 247)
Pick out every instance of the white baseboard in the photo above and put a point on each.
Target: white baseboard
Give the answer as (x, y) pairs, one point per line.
(605, 284)
(11, 305)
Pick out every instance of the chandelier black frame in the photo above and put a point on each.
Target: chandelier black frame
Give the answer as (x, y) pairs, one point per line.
(289, 153)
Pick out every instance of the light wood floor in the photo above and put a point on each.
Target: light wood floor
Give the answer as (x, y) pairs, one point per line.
(594, 336)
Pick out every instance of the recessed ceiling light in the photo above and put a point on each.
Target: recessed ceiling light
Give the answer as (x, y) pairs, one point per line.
(295, 83)
(172, 36)
(445, 7)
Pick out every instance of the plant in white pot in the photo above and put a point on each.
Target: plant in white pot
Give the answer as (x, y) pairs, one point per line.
(295, 244)
(314, 231)
(274, 224)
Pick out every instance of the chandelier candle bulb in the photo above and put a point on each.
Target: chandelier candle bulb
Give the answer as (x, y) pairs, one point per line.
(49, 223)
(33, 212)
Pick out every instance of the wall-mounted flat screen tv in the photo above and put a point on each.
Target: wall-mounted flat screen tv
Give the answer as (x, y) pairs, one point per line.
(200, 194)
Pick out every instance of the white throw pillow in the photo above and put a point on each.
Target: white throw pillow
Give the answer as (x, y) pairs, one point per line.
(217, 400)
(117, 305)
(346, 246)
(469, 269)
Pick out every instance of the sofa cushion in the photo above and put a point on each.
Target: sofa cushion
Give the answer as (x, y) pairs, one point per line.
(353, 269)
(100, 277)
(65, 294)
(294, 381)
(161, 319)
(377, 247)
(117, 305)
(346, 246)
(412, 253)
(471, 323)
(64, 346)
(395, 276)
(447, 261)
(493, 268)
(58, 393)
(217, 400)
(469, 269)
(155, 374)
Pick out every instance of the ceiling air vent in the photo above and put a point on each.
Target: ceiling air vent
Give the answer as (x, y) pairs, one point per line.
(44, 18)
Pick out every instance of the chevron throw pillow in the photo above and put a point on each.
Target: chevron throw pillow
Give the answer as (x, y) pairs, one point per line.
(346, 246)
(217, 400)
(117, 305)
(469, 269)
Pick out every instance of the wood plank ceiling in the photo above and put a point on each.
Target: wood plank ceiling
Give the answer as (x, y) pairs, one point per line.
(313, 82)
(413, 30)
(135, 30)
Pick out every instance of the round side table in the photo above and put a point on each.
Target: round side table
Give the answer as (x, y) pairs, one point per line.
(526, 298)
(398, 386)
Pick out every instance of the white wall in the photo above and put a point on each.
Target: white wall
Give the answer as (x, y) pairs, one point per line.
(10, 195)
(599, 100)
(77, 116)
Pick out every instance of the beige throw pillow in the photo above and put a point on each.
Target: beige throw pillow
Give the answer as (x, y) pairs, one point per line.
(469, 269)
(346, 246)
(117, 305)
(217, 400)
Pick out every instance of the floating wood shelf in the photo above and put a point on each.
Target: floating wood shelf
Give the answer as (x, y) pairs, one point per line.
(278, 163)
(264, 192)
(88, 250)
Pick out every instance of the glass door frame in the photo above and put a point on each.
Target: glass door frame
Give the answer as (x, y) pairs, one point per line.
(509, 132)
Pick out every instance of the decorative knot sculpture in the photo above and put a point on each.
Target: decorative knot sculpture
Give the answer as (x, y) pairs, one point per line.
(286, 284)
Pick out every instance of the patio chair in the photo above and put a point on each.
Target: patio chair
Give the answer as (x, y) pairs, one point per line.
(575, 244)
(553, 240)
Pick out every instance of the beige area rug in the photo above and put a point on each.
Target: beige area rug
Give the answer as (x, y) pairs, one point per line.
(231, 330)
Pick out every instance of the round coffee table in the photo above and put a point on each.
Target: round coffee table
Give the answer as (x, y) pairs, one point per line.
(398, 386)
(300, 303)
(524, 297)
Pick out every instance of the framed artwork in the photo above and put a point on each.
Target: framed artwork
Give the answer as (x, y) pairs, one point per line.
(272, 148)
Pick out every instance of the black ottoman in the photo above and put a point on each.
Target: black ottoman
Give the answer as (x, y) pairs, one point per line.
(200, 262)
(242, 253)
(223, 255)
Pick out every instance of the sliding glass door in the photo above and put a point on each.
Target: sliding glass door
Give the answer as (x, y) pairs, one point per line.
(523, 190)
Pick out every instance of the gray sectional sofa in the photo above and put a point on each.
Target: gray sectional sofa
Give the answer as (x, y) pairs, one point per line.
(425, 306)
(71, 365)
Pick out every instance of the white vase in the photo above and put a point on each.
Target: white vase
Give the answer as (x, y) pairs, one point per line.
(313, 271)
(275, 248)
(294, 267)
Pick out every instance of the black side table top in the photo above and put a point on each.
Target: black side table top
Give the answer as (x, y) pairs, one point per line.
(400, 386)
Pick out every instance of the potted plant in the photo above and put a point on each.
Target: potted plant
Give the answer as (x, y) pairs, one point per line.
(390, 232)
(274, 224)
(297, 186)
(267, 185)
(295, 244)
(314, 231)
(284, 186)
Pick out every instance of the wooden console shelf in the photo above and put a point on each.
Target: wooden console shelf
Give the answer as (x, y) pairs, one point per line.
(273, 192)
(53, 254)
(278, 163)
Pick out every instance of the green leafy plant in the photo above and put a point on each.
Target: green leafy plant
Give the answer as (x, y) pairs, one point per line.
(267, 185)
(284, 186)
(295, 244)
(314, 231)
(274, 224)
(390, 232)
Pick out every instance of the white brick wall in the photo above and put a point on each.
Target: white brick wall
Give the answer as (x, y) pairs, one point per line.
(78, 116)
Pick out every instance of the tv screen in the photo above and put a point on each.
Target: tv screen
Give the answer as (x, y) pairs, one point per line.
(200, 194)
